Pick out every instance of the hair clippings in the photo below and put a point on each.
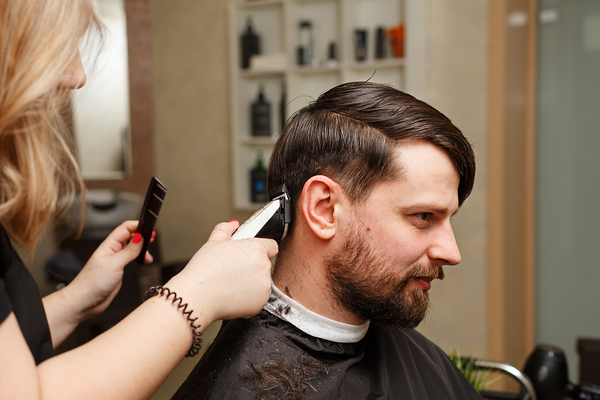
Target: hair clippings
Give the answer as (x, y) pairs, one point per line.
(159, 290)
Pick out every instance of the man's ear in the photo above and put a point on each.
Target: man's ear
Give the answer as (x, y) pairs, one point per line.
(320, 203)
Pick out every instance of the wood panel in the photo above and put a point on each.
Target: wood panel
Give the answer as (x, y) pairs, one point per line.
(511, 252)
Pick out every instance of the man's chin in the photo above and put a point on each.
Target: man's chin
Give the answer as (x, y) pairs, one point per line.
(407, 313)
(401, 324)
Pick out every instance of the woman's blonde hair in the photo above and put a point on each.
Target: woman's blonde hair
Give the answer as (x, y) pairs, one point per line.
(39, 42)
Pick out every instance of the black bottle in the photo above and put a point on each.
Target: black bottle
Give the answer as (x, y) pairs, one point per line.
(261, 115)
(258, 182)
(282, 107)
(305, 50)
(380, 44)
(250, 44)
(360, 44)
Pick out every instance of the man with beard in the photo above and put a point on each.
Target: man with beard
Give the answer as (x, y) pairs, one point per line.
(374, 176)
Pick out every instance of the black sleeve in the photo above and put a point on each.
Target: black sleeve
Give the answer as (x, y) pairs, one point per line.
(19, 293)
(5, 305)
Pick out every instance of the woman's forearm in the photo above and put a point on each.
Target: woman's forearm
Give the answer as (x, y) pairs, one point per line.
(129, 361)
(62, 317)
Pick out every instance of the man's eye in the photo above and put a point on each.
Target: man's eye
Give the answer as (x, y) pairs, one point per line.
(424, 216)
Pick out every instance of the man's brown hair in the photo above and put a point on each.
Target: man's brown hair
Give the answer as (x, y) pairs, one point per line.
(349, 133)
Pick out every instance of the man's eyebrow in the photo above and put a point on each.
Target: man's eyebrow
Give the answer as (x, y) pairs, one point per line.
(431, 206)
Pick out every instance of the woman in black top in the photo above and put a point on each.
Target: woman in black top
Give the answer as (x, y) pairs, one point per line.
(39, 65)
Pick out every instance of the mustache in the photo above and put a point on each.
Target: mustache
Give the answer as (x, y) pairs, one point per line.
(425, 270)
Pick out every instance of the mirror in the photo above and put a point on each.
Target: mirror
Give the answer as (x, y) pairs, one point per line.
(101, 119)
(139, 152)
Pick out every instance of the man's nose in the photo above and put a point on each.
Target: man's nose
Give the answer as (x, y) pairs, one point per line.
(444, 250)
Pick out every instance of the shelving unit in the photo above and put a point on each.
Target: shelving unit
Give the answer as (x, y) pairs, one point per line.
(333, 21)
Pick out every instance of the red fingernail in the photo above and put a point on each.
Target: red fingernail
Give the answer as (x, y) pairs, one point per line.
(153, 234)
(137, 237)
(233, 220)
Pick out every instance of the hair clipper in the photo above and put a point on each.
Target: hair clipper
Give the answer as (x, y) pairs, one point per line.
(270, 222)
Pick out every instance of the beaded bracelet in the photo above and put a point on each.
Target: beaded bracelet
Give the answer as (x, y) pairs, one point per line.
(159, 290)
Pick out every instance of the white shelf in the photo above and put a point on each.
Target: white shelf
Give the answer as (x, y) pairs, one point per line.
(259, 142)
(384, 63)
(333, 21)
(255, 4)
(273, 74)
(315, 70)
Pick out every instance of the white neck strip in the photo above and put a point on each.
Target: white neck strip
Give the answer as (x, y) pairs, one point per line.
(312, 323)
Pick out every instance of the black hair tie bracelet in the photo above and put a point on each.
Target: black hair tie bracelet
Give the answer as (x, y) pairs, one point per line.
(159, 290)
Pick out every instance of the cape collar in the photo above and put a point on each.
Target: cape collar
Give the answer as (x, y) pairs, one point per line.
(286, 308)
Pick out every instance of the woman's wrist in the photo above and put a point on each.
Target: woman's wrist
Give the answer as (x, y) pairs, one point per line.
(63, 314)
(77, 301)
(198, 298)
(185, 309)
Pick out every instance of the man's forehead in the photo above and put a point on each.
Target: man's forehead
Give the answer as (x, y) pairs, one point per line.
(417, 154)
(425, 176)
(420, 146)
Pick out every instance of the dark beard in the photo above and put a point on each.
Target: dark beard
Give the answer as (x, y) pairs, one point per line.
(364, 284)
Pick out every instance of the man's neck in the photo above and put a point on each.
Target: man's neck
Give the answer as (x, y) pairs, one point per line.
(302, 278)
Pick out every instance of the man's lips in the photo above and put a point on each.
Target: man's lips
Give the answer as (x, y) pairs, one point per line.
(424, 282)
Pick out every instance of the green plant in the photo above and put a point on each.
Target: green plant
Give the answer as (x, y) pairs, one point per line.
(480, 378)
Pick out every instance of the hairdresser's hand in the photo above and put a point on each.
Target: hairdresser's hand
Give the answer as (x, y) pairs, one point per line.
(100, 279)
(226, 278)
(96, 285)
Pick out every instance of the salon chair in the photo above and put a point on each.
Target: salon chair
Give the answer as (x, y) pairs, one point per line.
(589, 360)
(545, 375)
(527, 388)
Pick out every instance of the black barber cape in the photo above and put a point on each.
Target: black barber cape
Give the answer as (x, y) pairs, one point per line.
(19, 293)
(265, 357)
